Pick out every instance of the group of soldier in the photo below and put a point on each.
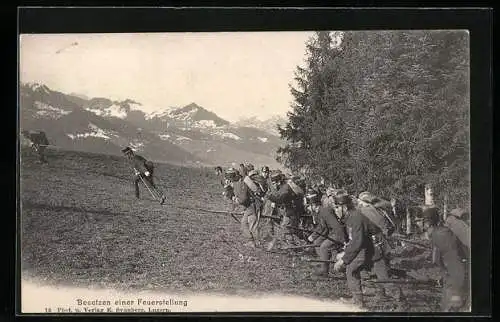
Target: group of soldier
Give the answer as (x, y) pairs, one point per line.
(351, 232)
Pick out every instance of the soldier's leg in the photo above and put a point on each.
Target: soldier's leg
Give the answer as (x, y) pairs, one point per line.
(253, 227)
(244, 223)
(294, 223)
(452, 299)
(136, 185)
(286, 231)
(318, 241)
(325, 251)
(41, 153)
(149, 180)
(381, 269)
(353, 274)
(277, 230)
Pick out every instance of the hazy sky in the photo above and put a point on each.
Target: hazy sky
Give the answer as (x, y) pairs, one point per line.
(232, 74)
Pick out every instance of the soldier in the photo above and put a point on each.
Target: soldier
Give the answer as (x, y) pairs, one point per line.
(365, 250)
(243, 171)
(143, 170)
(454, 295)
(249, 193)
(264, 172)
(220, 175)
(288, 196)
(38, 141)
(312, 212)
(458, 222)
(330, 234)
(377, 211)
(230, 175)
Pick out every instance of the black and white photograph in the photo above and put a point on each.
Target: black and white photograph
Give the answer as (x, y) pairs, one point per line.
(263, 171)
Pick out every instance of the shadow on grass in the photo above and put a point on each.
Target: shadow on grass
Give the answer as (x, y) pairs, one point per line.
(41, 206)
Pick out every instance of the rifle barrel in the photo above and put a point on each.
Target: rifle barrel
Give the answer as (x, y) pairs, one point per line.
(298, 247)
(395, 281)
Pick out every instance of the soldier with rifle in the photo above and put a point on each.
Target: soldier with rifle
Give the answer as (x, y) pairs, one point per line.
(38, 141)
(249, 192)
(288, 196)
(449, 253)
(330, 234)
(364, 252)
(143, 171)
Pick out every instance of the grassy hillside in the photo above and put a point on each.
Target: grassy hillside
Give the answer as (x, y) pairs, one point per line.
(81, 225)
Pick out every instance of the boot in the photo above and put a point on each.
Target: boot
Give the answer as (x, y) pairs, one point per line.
(356, 299)
(271, 244)
(249, 244)
(323, 270)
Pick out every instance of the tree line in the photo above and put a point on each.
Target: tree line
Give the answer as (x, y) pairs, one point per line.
(384, 111)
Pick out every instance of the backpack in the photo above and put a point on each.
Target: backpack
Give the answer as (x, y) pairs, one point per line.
(460, 229)
(38, 137)
(256, 183)
(149, 165)
(378, 214)
(295, 188)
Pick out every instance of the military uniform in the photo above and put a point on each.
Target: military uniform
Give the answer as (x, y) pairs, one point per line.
(253, 207)
(329, 225)
(39, 143)
(291, 205)
(450, 256)
(144, 170)
(366, 250)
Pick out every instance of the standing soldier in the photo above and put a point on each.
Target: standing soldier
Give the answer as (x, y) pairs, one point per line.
(454, 296)
(143, 170)
(249, 192)
(38, 141)
(330, 234)
(288, 195)
(365, 250)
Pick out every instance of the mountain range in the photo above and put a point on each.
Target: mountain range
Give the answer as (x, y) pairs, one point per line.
(190, 135)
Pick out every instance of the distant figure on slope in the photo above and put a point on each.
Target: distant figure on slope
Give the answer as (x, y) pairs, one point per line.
(38, 141)
(143, 170)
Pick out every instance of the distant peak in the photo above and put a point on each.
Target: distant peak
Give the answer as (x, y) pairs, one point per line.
(131, 101)
(192, 106)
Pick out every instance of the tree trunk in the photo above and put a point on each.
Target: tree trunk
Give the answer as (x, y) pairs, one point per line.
(445, 207)
(408, 221)
(429, 195)
(429, 202)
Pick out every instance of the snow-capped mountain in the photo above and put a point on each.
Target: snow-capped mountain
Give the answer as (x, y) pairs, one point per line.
(183, 133)
(72, 126)
(269, 125)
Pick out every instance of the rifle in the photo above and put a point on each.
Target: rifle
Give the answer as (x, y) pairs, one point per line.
(155, 195)
(233, 214)
(395, 281)
(411, 242)
(311, 231)
(298, 247)
(318, 261)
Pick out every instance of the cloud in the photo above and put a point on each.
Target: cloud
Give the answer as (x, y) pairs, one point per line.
(232, 74)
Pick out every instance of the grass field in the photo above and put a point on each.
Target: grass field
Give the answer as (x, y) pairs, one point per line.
(82, 226)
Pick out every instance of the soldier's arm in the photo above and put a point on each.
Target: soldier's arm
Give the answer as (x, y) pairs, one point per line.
(353, 247)
(321, 229)
(280, 196)
(241, 192)
(338, 233)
